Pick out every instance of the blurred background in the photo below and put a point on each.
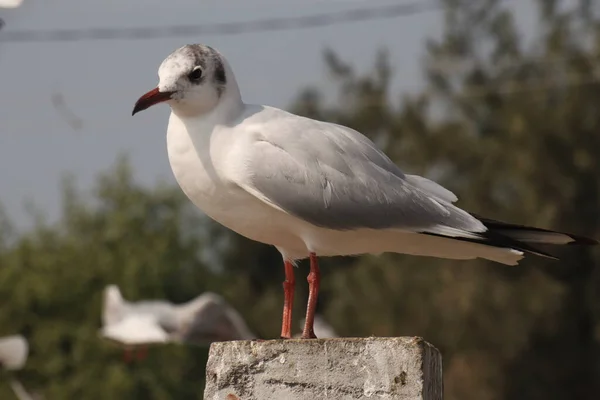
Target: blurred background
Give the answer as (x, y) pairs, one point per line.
(497, 100)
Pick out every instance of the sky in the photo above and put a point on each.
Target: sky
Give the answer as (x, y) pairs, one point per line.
(99, 81)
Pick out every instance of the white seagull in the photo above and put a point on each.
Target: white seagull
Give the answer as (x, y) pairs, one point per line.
(13, 352)
(201, 321)
(321, 328)
(10, 3)
(309, 187)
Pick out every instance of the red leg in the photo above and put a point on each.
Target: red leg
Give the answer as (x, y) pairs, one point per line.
(288, 300)
(142, 353)
(128, 355)
(314, 279)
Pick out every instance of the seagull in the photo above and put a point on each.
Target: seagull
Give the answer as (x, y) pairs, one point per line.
(13, 352)
(311, 188)
(10, 3)
(205, 319)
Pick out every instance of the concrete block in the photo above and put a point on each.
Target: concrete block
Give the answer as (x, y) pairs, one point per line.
(403, 368)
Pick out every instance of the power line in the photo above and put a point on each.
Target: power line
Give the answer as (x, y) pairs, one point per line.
(476, 91)
(223, 28)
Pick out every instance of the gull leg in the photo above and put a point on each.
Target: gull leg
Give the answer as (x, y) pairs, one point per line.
(288, 300)
(314, 279)
(128, 354)
(142, 353)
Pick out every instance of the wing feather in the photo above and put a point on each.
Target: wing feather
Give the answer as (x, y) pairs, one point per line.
(336, 178)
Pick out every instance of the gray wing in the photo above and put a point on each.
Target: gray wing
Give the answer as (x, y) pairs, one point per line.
(209, 318)
(334, 177)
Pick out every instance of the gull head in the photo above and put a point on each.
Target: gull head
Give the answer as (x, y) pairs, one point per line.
(192, 80)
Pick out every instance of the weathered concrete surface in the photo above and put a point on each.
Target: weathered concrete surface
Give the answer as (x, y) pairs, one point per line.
(406, 368)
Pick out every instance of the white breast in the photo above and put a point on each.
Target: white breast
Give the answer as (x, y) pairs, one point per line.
(195, 161)
(191, 164)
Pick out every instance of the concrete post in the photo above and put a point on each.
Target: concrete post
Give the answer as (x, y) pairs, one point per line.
(406, 368)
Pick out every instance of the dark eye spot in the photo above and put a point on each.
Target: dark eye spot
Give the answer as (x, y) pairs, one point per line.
(195, 75)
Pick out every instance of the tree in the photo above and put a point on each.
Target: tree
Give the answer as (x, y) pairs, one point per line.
(51, 282)
(512, 130)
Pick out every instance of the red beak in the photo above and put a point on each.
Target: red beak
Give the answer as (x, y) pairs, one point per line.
(149, 99)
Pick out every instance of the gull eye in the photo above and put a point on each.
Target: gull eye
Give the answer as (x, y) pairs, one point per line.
(195, 75)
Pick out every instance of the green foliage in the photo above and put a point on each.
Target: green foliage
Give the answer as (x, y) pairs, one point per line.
(513, 130)
(52, 279)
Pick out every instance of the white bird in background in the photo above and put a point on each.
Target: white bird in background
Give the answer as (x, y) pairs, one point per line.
(10, 3)
(201, 321)
(322, 329)
(13, 352)
(309, 187)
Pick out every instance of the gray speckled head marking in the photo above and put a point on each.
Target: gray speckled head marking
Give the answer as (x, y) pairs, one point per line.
(219, 76)
(183, 60)
(206, 57)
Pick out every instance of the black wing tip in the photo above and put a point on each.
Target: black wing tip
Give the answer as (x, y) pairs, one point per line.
(577, 239)
(581, 240)
(494, 239)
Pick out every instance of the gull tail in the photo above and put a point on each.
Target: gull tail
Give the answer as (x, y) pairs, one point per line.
(513, 241)
(528, 234)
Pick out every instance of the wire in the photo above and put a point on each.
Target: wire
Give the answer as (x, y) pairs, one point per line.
(278, 24)
(471, 91)
(224, 28)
